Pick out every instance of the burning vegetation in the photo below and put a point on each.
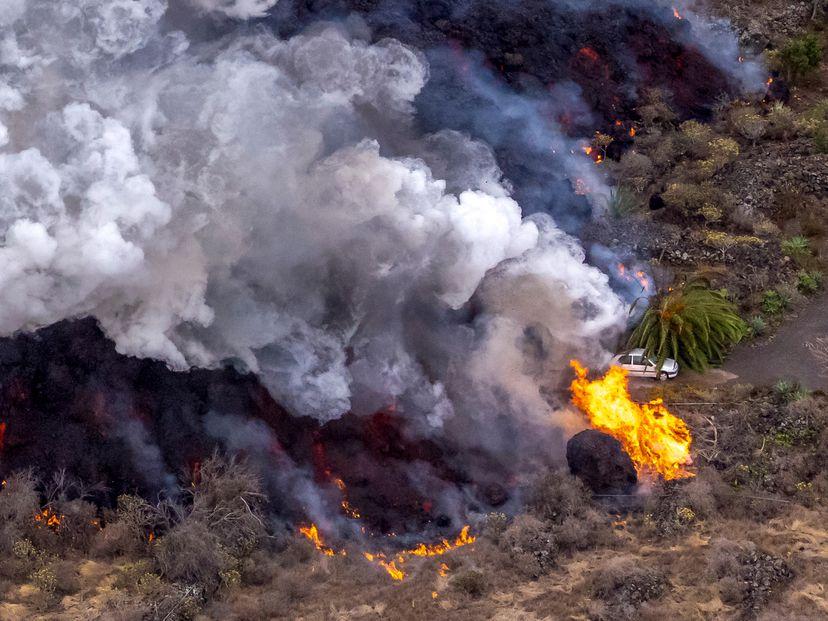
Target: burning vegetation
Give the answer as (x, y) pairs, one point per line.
(393, 563)
(657, 441)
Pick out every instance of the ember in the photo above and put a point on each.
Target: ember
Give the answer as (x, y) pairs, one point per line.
(657, 441)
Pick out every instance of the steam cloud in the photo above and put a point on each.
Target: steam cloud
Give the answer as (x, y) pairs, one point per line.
(234, 202)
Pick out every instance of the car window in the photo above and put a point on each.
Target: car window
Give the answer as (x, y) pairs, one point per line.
(636, 360)
(625, 360)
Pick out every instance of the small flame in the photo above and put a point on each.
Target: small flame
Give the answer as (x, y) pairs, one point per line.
(443, 571)
(676, 13)
(594, 153)
(312, 534)
(151, 537)
(47, 517)
(434, 595)
(632, 132)
(769, 82)
(394, 566)
(656, 441)
(347, 508)
(640, 276)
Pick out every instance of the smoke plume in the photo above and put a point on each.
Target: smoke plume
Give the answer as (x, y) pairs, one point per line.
(325, 210)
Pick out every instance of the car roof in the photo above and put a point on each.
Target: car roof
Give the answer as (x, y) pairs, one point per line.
(633, 352)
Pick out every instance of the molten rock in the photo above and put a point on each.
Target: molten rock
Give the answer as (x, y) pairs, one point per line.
(598, 460)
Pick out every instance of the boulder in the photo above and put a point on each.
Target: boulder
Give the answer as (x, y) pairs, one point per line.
(600, 462)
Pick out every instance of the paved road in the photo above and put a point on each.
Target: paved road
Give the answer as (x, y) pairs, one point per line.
(785, 355)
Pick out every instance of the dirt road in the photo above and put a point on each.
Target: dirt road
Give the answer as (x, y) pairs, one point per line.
(785, 355)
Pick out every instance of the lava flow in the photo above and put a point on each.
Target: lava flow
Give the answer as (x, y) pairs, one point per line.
(657, 441)
(393, 564)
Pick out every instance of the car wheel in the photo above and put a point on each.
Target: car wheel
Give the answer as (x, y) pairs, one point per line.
(663, 376)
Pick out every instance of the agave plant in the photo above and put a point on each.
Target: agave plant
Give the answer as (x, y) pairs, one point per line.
(693, 324)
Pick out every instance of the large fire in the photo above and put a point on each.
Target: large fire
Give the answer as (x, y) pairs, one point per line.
(393, 564)
(657, 441)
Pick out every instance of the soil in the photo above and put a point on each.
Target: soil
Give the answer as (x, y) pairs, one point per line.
(784, 355)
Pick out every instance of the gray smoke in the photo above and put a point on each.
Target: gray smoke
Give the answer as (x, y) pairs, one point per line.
(235, 202)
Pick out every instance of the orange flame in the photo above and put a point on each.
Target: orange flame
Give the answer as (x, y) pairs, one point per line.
(676, 13)
(639, 276)
(347, 508)
(394, 566)
(656, 441)
(312, 534)
(47, 517)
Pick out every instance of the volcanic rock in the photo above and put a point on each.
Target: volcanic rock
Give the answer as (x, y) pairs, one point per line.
(600, 462)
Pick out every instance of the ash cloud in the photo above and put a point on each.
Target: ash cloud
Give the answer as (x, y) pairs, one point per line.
(269, 203)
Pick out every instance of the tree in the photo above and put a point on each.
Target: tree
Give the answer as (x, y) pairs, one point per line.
(693, 324)
(801, 56)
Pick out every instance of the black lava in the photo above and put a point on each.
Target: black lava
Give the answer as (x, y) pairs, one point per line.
(600, 462)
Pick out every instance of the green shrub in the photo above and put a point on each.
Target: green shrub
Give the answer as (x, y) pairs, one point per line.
(774, 302)
(800, 56)
(821, 138)
(782, 120)
(788, 391)
(693, 324)
(695, 139)
(757, 325)
(621, 202)
(797, 247)
(748, 123)
(809, 282)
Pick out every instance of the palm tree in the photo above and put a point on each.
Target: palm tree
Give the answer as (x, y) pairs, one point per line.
(693, 324)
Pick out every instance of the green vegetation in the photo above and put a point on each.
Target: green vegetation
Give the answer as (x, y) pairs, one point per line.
(775, 302)
(809, 282)
(621, 202)
(757, 325)
(694, 324)
(797, 247)
(800, 56)
(788, 391)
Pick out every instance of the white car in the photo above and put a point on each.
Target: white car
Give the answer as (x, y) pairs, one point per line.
(639, 365)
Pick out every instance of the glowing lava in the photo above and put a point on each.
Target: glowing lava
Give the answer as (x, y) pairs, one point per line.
(656, 441)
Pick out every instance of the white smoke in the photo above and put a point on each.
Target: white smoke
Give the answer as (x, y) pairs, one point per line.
(237, 201)
(238, 9)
